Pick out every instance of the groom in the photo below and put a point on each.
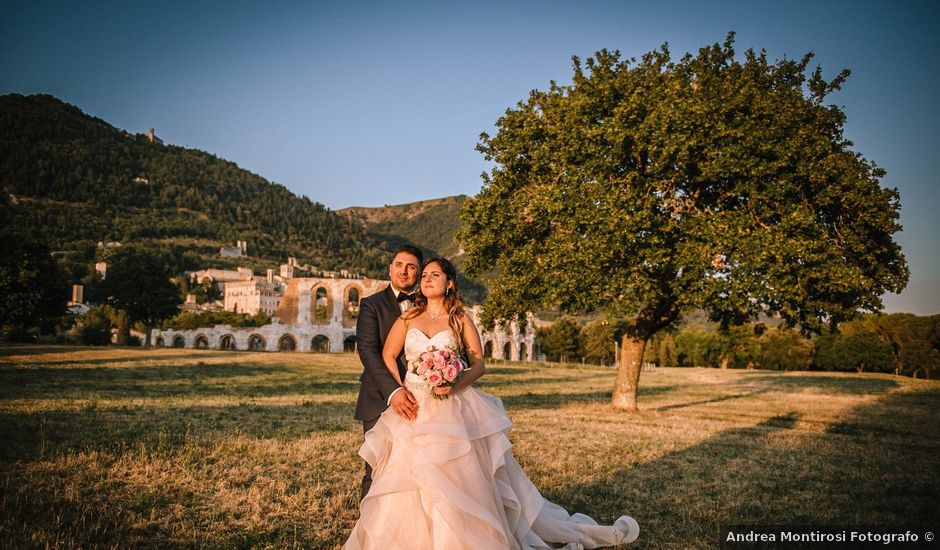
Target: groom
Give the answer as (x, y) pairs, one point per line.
(377, 313)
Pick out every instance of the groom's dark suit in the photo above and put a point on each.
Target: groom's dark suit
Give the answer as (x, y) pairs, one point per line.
(377, 314)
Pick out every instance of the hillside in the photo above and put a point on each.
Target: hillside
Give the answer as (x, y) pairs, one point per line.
(76, 180)
(431, 224)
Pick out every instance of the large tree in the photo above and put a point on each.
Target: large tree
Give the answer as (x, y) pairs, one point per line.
(650, 188)
(138, 282)
(33, 290)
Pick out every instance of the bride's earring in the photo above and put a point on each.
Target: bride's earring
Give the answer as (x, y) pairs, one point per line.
(447, 292)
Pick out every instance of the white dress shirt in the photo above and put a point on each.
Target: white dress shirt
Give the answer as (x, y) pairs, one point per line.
(405, 305)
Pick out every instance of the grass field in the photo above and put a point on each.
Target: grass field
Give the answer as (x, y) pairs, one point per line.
(118, 448)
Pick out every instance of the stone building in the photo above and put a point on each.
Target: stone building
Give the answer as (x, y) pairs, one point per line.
(253, 295)
(238, 251)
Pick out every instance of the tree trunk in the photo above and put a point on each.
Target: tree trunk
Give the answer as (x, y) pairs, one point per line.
(628, 373)
(724, 361)
(147, 330)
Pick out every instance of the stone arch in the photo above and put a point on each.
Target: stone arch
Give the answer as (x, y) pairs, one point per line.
(227, 342)
(159, 343)
(523, 352)
(349, 344)
(179, 342)
(320, 344)
(352, 295)
(287, 343)
(488, 349)
(507, 351)
(321, 309)
(202, 342)
(256, 342)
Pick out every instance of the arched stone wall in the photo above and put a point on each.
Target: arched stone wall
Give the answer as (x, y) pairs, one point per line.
(336, 334)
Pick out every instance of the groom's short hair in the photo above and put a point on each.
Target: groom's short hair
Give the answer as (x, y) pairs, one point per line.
(413, 250)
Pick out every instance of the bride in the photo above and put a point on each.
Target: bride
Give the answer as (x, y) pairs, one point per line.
(446, 479)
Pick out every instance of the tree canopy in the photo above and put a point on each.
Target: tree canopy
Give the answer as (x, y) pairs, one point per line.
(650, 188)
(33, 290)
(138, 282)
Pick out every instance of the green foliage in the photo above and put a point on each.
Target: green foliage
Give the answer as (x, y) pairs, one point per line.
(692, 348)
(191, 321)
(662, 350)
(431, 225)
(785, 349)
(559, 341)
(78, 180)
(645, 189)
(915, 340)
(205, 292)
(138, 282)
(858, 351)
(95, 328)
(736, 347)
(598, 340)
(32, 287)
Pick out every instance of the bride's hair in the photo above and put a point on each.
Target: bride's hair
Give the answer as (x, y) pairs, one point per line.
(453, 303)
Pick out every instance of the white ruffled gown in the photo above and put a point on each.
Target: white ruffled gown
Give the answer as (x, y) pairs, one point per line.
(447, 480)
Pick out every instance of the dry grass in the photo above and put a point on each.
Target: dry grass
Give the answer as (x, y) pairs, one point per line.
(116, 448)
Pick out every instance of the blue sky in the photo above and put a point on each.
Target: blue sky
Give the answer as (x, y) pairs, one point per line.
(373, 103)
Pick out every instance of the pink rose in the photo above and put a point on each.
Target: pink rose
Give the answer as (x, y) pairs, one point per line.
(446, 355)
(422, 368)
(450, 373)
(434, 378)
(439, 362)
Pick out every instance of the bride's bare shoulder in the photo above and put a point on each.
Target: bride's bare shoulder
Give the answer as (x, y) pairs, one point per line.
(468, 319)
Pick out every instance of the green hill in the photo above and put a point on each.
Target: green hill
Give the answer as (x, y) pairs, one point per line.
(75, 180)
(431, 225)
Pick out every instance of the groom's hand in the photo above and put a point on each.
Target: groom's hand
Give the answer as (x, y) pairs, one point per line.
(405, 404)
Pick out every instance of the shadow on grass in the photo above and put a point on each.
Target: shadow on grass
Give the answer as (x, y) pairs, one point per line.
(157, 381)
(118, 361)
(29, 437)
(831, 383)
(879, 465)
(33, 349)
(554, 400)
(712, 400)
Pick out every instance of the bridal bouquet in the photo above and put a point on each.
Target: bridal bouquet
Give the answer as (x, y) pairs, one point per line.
(439, 367)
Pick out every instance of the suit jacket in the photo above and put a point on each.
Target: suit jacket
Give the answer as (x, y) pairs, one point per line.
(377, 314)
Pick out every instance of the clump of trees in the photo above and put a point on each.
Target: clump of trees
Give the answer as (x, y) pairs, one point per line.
(139, 283)
(33, 290)
(900, 343)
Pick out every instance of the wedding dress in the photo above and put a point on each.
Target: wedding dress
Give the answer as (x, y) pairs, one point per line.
(447, 480)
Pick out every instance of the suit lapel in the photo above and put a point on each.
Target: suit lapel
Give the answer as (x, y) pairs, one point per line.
(392, 301)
